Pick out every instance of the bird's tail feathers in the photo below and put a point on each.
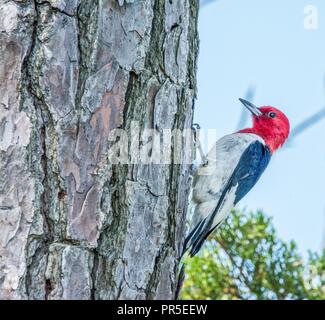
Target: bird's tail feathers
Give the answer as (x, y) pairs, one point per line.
(192, 235)
(180, 281)
(197, 236)
(198, 241)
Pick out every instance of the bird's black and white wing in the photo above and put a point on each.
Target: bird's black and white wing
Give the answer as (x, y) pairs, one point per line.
(234, 166)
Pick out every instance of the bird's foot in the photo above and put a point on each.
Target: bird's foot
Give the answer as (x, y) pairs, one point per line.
(196, 129)
(205, 162)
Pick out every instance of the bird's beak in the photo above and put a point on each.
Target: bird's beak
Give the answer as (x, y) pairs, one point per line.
(251, 107)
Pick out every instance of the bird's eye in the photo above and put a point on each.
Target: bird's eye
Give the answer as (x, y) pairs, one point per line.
(271, 114)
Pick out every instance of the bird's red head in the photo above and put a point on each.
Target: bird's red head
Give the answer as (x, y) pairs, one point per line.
(269, 123)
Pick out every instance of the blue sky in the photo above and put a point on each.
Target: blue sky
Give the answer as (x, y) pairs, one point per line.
(265, 44)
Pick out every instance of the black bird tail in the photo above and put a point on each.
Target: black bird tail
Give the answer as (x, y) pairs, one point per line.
(192, 236)
(180, 281)
(196, 238)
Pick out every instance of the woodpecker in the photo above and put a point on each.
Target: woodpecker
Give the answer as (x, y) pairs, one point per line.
(231, 169)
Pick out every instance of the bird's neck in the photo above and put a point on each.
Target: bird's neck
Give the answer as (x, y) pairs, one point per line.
(273, 139)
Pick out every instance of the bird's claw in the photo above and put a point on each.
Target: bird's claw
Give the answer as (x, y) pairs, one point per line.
(196, 126)
(205, 162)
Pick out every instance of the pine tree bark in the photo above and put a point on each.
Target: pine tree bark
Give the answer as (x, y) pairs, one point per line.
(72, 225)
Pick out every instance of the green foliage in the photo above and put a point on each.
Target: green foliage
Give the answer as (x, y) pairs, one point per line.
(244, 259)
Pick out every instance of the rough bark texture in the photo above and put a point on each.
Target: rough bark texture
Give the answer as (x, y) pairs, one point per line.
(73, 226)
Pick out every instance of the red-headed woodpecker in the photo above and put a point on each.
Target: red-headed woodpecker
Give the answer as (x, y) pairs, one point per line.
(233, 166)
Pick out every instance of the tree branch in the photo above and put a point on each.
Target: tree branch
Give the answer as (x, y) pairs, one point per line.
(306, 124)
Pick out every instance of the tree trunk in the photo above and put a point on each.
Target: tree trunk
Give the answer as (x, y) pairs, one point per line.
(72, 224)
